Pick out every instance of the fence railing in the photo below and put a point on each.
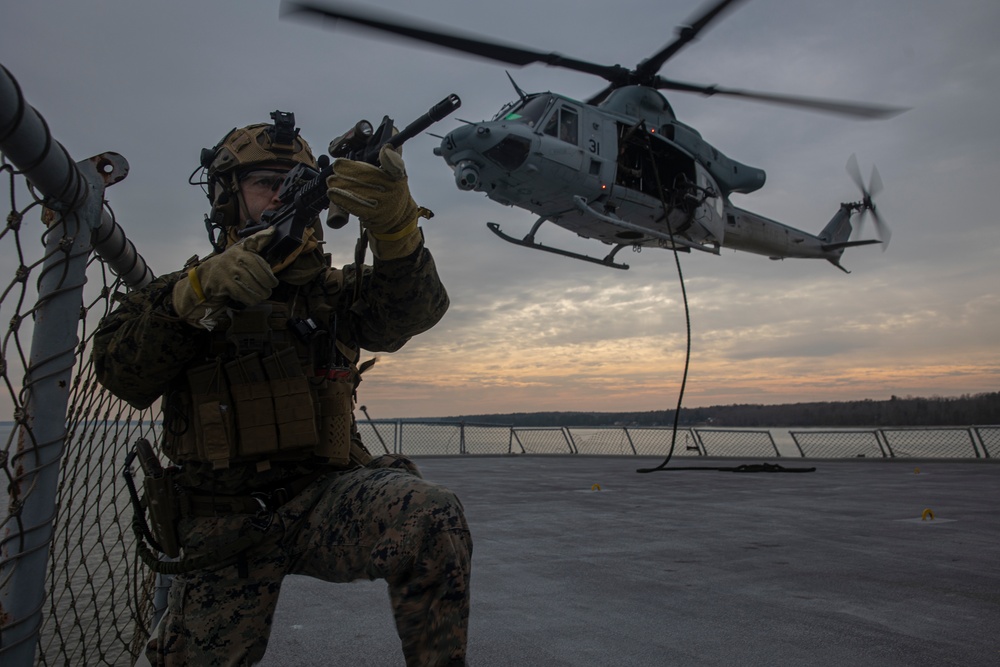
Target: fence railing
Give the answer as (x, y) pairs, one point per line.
(423, 437)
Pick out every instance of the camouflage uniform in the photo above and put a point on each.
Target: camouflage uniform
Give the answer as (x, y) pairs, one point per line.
(380, 520)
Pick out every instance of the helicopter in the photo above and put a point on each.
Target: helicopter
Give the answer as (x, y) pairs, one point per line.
(620, 167)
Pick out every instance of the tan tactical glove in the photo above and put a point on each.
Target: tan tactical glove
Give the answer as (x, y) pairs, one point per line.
(239, 274)
(380, 197)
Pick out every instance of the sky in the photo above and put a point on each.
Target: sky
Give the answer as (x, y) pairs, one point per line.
(529, 331)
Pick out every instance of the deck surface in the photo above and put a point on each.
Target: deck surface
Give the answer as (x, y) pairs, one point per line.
(833, 567)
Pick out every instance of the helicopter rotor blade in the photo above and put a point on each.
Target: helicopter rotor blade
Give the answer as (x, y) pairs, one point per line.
(881, 226)
(867, 205)
(686, 34)
(857, 110)
(854, 171)
(616, 75)
(447, 38)
(874, 183)
(861, 223)
(882, 229)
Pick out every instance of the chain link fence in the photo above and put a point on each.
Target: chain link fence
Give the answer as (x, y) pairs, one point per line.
(488, 439)
(989, 439)
(930, 443)
(613, 441)
(839, 444)
(418, 438)
(656, 441)
(438, 438)
(422, 437)
(725, 442)
(553, 440)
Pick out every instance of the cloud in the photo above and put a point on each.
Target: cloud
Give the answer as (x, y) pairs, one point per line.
(528, 330)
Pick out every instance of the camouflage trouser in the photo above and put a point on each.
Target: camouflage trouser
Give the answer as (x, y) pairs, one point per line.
(378, 522)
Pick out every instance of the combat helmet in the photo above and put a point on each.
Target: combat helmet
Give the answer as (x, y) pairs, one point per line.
(241, 149)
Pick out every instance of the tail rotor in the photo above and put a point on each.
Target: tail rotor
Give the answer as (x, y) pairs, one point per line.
(867, 204)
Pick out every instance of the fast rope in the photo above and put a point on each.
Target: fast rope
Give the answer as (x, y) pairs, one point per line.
(761, 467)
(687, 311)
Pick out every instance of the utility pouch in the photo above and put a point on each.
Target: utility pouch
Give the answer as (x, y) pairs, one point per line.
(254, 408)
(359, 453)
(294, 413)
(160, 499)
(336, 409)
(213, 415)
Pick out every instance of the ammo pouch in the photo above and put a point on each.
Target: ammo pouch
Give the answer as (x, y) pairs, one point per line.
(254, 409)
(273, 404)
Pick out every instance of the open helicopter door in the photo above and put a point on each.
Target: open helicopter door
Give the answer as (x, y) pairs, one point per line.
(654, 176)
(710, 213)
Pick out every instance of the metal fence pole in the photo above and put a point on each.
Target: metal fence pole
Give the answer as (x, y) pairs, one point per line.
(797, 445)
(570, 441)
(774, 444)
(120, 254)
(972, 441)
(76, 191)
(699, 441)
(45, 163)
(986, 433)
(628, 436)
(884, 443)
(25, 140)
(514, 435)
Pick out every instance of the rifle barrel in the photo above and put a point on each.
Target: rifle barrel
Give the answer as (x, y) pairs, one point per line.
(436, 113)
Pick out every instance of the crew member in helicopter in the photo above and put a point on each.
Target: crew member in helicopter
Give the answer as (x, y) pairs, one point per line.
(257, 366)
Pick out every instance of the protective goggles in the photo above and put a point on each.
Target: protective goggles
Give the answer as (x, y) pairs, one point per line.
(263, 180)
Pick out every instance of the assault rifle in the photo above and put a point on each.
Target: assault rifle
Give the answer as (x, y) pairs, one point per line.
(303, 192)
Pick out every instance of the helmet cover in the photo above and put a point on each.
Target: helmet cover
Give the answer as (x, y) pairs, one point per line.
(244, 148)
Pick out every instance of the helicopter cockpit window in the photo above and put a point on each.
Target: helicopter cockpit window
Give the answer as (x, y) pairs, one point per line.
(510, 153)
(531, 111)
(564, 124)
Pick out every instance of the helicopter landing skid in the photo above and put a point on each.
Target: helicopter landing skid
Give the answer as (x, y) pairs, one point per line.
(529, 242)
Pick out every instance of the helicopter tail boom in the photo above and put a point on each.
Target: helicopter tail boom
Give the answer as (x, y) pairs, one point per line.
(837, 232)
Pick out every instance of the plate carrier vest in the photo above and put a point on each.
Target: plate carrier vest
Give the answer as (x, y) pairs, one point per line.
(276, 388)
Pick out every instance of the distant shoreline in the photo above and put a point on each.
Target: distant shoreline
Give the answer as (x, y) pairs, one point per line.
(968, 410)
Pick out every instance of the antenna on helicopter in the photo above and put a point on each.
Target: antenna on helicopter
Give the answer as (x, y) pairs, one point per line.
(520, 93)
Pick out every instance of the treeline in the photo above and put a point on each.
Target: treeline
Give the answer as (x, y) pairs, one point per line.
(967, 410)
